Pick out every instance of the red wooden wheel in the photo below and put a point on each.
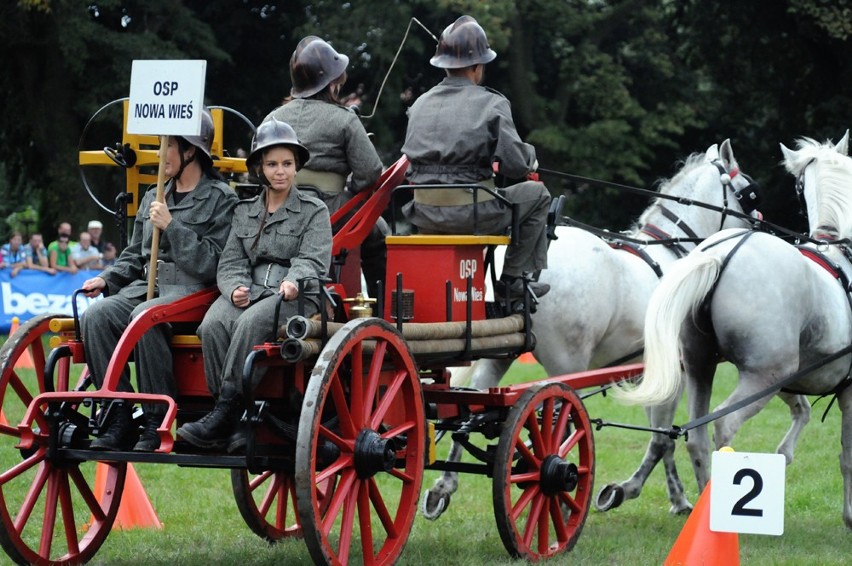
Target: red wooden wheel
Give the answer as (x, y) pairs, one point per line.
(363, 427)
(267, 502)
(543, 473)
(50, 508)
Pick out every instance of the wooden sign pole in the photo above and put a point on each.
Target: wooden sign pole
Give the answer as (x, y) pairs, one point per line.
(155, 237)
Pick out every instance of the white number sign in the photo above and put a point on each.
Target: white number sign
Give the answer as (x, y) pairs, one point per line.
(747, 493)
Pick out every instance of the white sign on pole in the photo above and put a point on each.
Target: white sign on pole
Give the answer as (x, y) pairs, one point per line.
(747, 493)
(166, 97)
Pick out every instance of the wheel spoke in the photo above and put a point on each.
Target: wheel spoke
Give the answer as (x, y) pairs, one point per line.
(342, 462)
(68, 521)
(562, 422)
(37, 354)
(387, 400)
(397, 473)
(525, 477)
(347, 521)
(544, 527)
(571, 442)
(570, 502)
(341, 407)
(28, 504)
(546, 425)
(282, 502)
(88, 496)
(340, 442)
(535, 435)
(254, 483)
(337, 500)
(365, 521)
(20, 389)
(21, 467)
(532, 518)
(372, 386)
(269, 497)
(526, 454)
(49, 522)
(524, 500)
(356, 388)
(558, 520)
(381, 509)
(398, 430)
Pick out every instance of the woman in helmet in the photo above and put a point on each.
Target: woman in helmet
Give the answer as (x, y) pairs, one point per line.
(343, 159)
(277, 238)
(194, 222)
(457, 132)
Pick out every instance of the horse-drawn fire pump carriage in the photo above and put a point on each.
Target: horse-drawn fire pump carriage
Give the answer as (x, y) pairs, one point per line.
(343, 423)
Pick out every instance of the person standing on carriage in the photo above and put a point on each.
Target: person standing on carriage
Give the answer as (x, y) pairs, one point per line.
(194, 222)
(458, 133)
(343, 159)
(277, 238)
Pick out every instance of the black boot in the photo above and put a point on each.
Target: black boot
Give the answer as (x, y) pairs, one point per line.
(149, 440)
(515, 288)
(117, 435)
(213, 430)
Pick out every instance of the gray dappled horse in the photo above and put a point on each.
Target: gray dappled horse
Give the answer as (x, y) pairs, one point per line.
(768, 307)
(595, 310)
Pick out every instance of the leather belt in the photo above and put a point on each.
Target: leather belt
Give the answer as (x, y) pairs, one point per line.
(325, 181)
(269, 275)
(454, 197)
(169, 273)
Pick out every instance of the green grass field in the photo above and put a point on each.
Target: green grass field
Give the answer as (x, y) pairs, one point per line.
(202, 524)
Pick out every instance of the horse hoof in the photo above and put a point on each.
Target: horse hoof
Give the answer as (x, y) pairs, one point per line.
(434, 504)
(684, 509)
(610, 497)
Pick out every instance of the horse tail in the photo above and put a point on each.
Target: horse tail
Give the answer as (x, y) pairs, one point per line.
(679, 295)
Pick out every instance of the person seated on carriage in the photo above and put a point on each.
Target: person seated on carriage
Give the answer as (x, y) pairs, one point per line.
(194, 222)
(343, 159)
(458, 133)
(277, 238)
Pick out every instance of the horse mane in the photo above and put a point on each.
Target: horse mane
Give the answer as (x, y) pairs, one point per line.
(834, 182)
(665, 186)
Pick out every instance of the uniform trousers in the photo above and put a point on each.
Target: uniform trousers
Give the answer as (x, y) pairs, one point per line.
(228, 334)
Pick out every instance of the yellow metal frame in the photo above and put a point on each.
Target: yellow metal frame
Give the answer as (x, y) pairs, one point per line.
(448, 240)
(146, 148)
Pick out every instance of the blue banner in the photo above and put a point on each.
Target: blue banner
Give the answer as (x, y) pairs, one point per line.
(32, 293)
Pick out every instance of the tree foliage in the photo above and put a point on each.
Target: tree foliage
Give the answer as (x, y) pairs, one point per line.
(613, 89)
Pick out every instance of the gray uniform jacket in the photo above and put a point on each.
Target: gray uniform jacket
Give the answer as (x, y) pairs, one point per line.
(457, 129)
(299, 232)
(335, 137)
(193, 239)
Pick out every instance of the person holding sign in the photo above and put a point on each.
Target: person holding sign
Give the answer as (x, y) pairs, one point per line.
(343, 159)
(277, 239)
(193, 225)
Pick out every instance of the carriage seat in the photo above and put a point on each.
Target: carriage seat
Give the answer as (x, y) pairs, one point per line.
(433, 271)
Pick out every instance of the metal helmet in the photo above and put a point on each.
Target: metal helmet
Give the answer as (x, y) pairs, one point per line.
(314, 65)
(463, 44)
(204, 140)
(275, 132)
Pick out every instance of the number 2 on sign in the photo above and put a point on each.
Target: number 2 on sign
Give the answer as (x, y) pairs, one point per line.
(757, 486)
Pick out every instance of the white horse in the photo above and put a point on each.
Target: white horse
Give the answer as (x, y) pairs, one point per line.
(768, 307)
(594, 313)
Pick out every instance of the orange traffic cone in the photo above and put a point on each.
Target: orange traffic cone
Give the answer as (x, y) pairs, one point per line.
(3, 420)
(527, 358)
(698, 545)
(25, 361)
(135, 509)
